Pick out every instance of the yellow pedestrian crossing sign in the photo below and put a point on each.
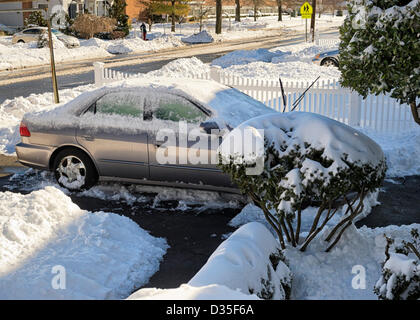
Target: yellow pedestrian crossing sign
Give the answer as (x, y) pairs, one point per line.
(306, 11)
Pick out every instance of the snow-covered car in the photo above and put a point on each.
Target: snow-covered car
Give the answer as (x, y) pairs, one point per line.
(118, 133)
(327, 59)
(33, 33)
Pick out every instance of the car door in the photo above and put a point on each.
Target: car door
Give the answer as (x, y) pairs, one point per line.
(113, 133)
(179, 150)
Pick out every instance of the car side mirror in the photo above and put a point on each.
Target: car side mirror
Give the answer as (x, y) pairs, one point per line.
(210, 127)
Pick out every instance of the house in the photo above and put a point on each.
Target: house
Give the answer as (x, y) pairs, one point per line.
(14, 13)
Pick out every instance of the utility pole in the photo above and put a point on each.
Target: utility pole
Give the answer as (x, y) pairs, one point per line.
(52, 61)
(218, 16)
(313, 20)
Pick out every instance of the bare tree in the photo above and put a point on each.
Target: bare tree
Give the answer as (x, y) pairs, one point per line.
(237, 10)
(280, 10)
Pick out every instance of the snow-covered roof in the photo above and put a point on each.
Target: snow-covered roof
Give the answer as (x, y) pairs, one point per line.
(227, 106)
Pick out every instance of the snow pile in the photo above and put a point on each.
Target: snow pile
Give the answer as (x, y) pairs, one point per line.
(241, 57)
(28, 55)
(138, 45)
(188, 292)
(104, 255)
(201, 37)
(241, 263)
(349, 271)
(245, 260)
(12, 111)
(181, 68)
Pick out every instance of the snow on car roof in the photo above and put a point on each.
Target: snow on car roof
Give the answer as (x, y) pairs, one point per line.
(227, 106)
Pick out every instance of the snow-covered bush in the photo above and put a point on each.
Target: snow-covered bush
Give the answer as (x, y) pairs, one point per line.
(307, 160)
(87, 25)
(379, 49)
(400, 279)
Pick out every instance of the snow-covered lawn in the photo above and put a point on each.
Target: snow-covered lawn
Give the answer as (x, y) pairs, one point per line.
(27, 54)
(100, 255)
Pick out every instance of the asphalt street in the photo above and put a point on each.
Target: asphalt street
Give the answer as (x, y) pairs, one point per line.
(23, 82)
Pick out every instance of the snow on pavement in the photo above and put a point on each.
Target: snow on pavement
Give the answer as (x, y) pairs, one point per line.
(291, 63)
(105, 256)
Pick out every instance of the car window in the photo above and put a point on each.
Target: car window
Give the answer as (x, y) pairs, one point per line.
(175, 108)
(120, 103)
(30, 31)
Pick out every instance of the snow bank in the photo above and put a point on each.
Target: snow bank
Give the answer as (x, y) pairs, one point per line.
(181, 68)
(105, 255)
(188, 292)
(241, 263)
(201, 37)
(136, 45)
(240, 57)
(28, 55)
(319, 275)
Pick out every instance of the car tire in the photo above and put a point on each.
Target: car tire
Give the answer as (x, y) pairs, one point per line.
(328, 62)
(21, 41)
(74, 170)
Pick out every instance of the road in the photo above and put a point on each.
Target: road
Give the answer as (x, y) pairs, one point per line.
(69, 75)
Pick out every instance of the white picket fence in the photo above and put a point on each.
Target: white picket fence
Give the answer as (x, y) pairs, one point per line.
(380, 113)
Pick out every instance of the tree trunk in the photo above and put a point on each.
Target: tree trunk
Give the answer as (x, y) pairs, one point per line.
(238, 10)
(173, 16)
(218, 16)
(280, 10)
(255, 12)
(415, 111)
(313, 20)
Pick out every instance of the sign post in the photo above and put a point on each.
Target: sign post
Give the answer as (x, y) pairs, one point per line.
(306, 13)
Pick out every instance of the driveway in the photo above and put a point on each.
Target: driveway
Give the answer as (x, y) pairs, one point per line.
(195, 233)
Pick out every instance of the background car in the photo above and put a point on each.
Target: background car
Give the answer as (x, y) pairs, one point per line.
(327, 59)
(112, 133)
(33, 33)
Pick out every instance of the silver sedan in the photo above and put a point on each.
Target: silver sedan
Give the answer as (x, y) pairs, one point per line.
(138, 133)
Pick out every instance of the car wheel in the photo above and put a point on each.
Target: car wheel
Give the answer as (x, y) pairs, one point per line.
(74, 170)
(328, 62)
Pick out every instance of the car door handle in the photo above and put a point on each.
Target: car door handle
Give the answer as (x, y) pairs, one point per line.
(88, 138)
